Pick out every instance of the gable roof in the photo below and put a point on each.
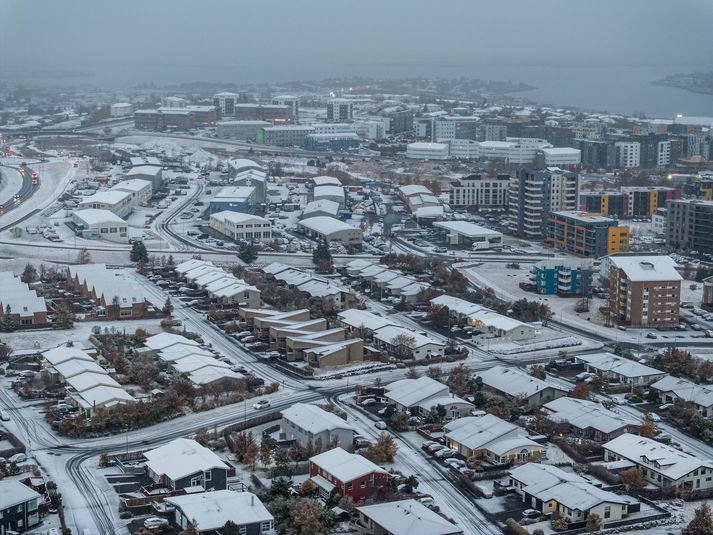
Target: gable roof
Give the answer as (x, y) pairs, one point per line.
(12, 493)
(345, 466)
(686, 390)
(608, 362)
(412, 392)
(582, 413)
(182, 457)
(408, 517)
(514, 382)
(211, 510)
(313, 418)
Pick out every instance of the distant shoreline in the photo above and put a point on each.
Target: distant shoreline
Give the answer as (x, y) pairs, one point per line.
(700, 82)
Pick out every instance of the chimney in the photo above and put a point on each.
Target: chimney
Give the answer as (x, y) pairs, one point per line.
(252, 499)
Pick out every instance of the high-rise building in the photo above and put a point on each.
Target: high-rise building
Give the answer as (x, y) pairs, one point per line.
(586, 234)
(534, 195)
(644, 291)
(628, 154)
(643, 201)
(610, 203)
(689, 225)
(225, 103)
(401, 120)
(455, 127)
(480, 191)
(492, 132)
(597, 154)
(288, 100)
(340, 110)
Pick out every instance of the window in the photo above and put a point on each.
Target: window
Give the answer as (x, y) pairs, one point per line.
(243, 530)
(266, 526)
(350, 486)
(607, 511)
(363, 484)
(208, 476)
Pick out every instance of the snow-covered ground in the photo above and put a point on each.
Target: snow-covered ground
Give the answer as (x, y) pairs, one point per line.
(10, 183)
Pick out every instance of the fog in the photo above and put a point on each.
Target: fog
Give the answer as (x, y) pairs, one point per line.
(129, 41)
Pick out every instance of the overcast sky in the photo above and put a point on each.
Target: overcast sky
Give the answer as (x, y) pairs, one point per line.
(269, 40)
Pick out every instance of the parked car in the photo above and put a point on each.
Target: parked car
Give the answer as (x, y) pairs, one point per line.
(445, 453)
(380, 425)
(262, 404)
(651, 335)
(666, 406)
(367, 402)
(436, 447)
(531, 513)
(4, 416)
(428, 444)
(18, 458)
(155, 522)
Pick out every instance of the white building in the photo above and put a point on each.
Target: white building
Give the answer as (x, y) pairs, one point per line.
(329, 192)
(117, 202)
(466, 149)
(210, 511)
(407, 343)
(241, 227)
(140, 189)
(628, 153)
(334, 128)
(121, 109)
(557, 156)
(226, 102)
(514, 150)
(427, 151)
(331, 230)
(305, 422)
(516, 384)
(466, 233)
(663, 154)
(339, 110)
(480, 191)
(101, 224)
(152, 173)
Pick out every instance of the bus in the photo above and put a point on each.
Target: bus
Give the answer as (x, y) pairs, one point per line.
(35, 178)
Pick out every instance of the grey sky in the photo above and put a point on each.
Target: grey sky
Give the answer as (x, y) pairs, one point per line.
(270, 40)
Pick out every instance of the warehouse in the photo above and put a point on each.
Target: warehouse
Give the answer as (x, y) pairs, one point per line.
(238, 226)
(235, 199)
(140, 189)
(93, 223)
(329, 193)
(117, 202)
(331, 230)
(152, 173)
(469, 234)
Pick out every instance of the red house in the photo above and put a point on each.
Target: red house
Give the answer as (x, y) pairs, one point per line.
(352, 474)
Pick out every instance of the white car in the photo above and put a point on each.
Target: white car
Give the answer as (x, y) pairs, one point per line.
(155, 522)
(262, 404)
(380, 425)
(4, 416)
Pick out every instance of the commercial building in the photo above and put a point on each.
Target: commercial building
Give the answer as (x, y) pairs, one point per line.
(351, 474)
(140, 190)
(273, 113)
(225, 102)
(455, 127)
(241, 227)
(469, 235)
(492, 440)
(208, 512)
(306, 423)
(19, 507)
(121, 109)
(242, 130)
(400, 120)
(597, 154)
(586, 234)
(566, 278)
(464, 149)
(403, 517)
(615, 369)
(550, 490)
(516, 384)
(417, 196)
(284, 136)
(173, 102)
(235, 199)
(120, 203)
(590, 419)
(337, 142)
(164, 119)
(672, 389)
(644, 291)
(660, 464)
(20, 304)
(514, 150)
(628, 154)
(561, 157)
(291, 101)
(150, 172)
(534, 195)
(689, 224)
(427, 151)
(331, 230)
(203, 115)
(183, 463)
(93, 223)
(479, 191)
(339, 110)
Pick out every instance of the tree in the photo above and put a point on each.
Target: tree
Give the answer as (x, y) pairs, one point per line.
(202, 436)
(322, 257)
(83, 257)
(648, 427)
(252, 452)
(192, 528)
(383, 450)
(412, 482)
(230, 528)
(305, 516)
(412, 373)
(702, 522)
(167, 307)
(458, 380)
(247, 253)
(593, 522)
(282, 458)
(403, 345)
(580, 391)
(266, 446)
(29, 274)
(308, 488)
(138, 252)
(538, 371)
(633, 479)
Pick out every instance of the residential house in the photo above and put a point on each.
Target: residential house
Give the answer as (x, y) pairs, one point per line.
(589, 419)
(183, 463)
(423, 395)
(303, 423)
(515, 384)
(19, 507)
(23, 307)
(351, 474)
(407, 344)
(617, 369)
(671, 389)
(404, 517)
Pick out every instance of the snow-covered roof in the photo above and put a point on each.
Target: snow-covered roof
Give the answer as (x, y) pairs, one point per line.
(19, 297)
(414, 392)
(560, 151)
(81, 382)
(478, 314)
(325, 225)
(321, 205)
(161, 341)
(487, 432)
(188, 265)
(275, 268)
(234, 193)
(182, 457)
(144, 170)
(321, 192)
(210, 374)
(95, 216)
(388, 333)
(212, 510)
(70, 368)
(13, 493)
(356, 318)
(656, 456)
(647, 268)
(109, 197)
(408, 517)
(425, 212)
(514, 382)
(701, 395)
(133, 184)
(314, 419)
(465, 228)
(111, 284)
(325, 180)
(582, 414)
(608, 362)
(61, 354)
(178, 351)
(192, 363)
(102, 396)
(345, 466)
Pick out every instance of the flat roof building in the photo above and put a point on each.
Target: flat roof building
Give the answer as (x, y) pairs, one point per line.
(586, 234)
(241, 227)
(331, 230)
(469, 234)
(93, 223)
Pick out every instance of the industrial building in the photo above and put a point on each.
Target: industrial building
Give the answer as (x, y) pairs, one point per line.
(235, 199)
(331, 230)
(241, 226)
(469, 235)
(94, 223)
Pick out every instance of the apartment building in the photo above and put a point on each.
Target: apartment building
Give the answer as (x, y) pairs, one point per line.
(225, 102)
(645, 291)
(534, 195)
(586, 234)
(480, 191)
(609, 203)
(689, 225)
(628, 154)
(643, 201)
(339, 110)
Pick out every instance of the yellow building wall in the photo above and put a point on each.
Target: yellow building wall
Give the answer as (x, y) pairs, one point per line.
(617, 240)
